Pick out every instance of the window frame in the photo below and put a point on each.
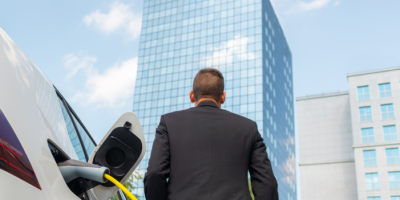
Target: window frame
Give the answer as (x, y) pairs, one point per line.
(385, 92)
(365, 114)
(368, 137)
(387, 114)
(374, 198)
(391, 136)
(370, 159)
(395, 197)
(374, 185)
(394, 160)
(396, 181)
(363, 95)
(73, 116)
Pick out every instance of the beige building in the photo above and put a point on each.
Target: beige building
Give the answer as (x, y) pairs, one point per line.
(348, 141)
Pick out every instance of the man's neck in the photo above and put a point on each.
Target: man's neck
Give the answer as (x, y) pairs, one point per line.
(207, 99)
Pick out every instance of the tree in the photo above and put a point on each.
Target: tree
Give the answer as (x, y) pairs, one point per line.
(129, 184)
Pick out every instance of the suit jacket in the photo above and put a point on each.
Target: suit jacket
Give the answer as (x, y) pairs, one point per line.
(205, 153)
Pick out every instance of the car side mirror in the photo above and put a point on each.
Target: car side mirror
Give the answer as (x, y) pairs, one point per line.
(120, 150)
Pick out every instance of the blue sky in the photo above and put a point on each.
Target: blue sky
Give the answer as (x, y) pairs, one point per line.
(88, 49)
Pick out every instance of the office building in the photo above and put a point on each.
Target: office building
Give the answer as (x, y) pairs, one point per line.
(244, 40)
(348, 142)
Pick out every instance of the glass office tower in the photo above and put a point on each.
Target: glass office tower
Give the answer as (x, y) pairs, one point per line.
(241, 38)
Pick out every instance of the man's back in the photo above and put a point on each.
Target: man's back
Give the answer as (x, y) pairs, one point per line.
(206, 153)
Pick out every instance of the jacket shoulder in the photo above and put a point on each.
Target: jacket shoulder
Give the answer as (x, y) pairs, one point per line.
(225, 113)
(239, 117)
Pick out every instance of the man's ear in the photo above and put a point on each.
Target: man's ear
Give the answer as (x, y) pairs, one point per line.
(191, 96)
(222, 100)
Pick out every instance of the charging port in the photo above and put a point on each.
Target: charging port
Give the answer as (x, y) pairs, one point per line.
(79, 176)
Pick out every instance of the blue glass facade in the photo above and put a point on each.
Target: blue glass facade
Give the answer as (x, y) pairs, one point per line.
(241, 38)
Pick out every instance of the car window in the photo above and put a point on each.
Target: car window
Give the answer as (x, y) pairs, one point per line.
(73, 135)
(75, 130)
(80, 138)
(87, 142)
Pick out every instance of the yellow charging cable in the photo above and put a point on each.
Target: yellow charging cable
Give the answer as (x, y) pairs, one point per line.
(118, 184)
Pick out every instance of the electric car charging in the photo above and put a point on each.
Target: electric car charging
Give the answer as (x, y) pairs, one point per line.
(46, 152)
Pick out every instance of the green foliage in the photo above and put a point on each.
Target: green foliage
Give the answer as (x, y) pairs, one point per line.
(129, 184)
(115, 197)
(251, 191)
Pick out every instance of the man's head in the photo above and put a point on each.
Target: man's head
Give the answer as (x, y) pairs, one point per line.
(208, 85)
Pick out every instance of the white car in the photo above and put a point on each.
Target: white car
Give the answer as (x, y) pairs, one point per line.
(45, 150)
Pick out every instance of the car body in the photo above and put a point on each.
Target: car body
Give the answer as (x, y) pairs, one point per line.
(34, 115)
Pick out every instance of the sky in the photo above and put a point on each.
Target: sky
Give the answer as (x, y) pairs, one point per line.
(88, 49)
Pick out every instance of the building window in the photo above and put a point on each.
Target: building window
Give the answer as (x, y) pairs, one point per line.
(365, 114)
(394, 180)
(392, 156)
(387, 111)
(395, 198)
(370, 158)
(385, 90)
(372, 180)
(390, 133)
(363, 93)
(374, 198)
(367, 135)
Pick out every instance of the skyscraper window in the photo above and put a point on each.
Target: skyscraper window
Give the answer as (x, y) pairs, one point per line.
(363, 93)
(367, 135)
(365, 114)
(385, 90)
(394, 180)
(390, 133)
(387, 111)
(374, 198)
(372, 181)
(392, 156)
(369, 158)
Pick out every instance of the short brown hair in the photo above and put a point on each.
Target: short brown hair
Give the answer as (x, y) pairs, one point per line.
(208, 83)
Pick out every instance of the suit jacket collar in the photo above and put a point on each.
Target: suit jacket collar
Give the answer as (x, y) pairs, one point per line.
(207, 103)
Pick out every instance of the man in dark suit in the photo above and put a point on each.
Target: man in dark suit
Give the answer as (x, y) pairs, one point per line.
(205, 153)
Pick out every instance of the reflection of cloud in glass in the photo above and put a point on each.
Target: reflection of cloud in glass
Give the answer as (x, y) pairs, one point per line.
(290, 178)
(231, 49)
(288, 166)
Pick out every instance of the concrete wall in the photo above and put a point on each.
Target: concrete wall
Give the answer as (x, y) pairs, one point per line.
(327, 167)
(331, 181)
(373, 79)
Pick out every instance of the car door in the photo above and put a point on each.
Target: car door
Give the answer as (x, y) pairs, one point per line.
(80, 137)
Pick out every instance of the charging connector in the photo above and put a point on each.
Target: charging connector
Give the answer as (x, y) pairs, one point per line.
(72, 169)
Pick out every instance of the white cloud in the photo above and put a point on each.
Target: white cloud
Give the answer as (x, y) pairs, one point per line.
(337, 3)
(225, 54)
(301, 6)
(76, 62)
(279, 3)
(112, 88)
(119, 18)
